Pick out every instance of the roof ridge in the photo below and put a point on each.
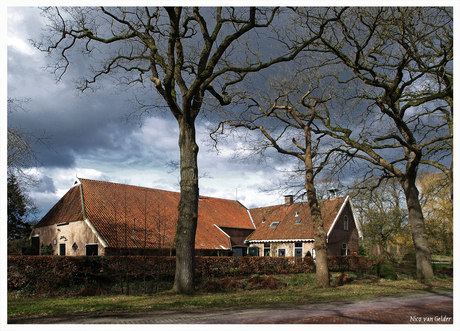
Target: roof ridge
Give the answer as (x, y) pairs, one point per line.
(155, 189)
(297, 203)
(130, 185)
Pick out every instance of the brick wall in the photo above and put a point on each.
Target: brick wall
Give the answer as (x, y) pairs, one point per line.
(339, 236)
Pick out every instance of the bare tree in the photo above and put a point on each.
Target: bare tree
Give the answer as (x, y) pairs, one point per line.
(180, 55)
(393, 101)
(21, 158)
(21, 153)
(437, 206)
(288, 129)
(383, 213)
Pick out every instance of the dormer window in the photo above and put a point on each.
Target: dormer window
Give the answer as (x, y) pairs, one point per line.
(297, 221)
(345, 223)
(274, 224)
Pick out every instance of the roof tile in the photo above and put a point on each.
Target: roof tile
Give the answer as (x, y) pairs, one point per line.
(138, 217)
(67, 209)
(287, 216)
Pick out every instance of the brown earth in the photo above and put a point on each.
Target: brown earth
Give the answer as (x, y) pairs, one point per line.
(256, 282)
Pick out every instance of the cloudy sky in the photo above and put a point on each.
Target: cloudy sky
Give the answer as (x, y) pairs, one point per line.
(89, 139)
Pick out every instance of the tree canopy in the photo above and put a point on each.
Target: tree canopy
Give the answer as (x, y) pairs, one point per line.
(389, 72)
(17, 210)
(437, 206)
(178, 57)
(394, 98)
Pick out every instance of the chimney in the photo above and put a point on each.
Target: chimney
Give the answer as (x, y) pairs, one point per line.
(288, 200)
(332, 193)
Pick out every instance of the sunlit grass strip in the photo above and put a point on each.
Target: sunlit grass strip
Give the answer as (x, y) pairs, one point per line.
(166, 300)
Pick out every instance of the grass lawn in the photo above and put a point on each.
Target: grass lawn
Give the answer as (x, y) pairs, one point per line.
(299, 289)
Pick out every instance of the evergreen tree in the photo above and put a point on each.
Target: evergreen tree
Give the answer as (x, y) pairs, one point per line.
(17, 210)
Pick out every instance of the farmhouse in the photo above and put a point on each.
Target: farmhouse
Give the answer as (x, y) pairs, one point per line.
(102, 218)
(287, 230)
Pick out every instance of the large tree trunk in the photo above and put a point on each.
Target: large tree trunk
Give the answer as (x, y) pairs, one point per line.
(322, 271)
(320, 236)
(188, 208)
(419, 234)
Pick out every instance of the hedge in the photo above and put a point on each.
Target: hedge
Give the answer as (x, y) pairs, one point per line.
(49, 272)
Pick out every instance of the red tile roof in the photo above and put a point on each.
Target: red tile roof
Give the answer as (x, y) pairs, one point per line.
(287, 216)
(138, 217)
(115, 210)
(68, 209)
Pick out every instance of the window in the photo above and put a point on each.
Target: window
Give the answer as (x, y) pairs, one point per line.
(298, 250)
(266, 249)
(345, 223)
(281, 252)
(92, 249)
(297, 221)
(253, 251)
(274, 224)
(61, 249)
(344, 250)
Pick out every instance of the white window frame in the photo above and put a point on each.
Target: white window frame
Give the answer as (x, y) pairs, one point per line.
(345, 247)
(345, 223)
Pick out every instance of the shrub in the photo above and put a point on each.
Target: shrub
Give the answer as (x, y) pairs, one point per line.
(47, 250)
(362, 251)
(387, 271)
(30, 250)
(409, 257)
(50, 273)
(383, 270)
(375, 270)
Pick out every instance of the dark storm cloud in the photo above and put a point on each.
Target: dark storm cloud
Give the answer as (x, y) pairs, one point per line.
(88, 138)
(75, 124)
